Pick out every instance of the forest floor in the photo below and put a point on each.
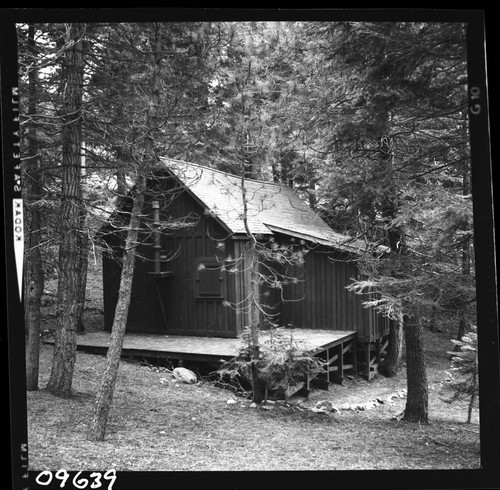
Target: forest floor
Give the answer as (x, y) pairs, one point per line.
(158, 424)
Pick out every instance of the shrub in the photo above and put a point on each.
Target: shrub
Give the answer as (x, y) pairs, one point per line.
(281, 365)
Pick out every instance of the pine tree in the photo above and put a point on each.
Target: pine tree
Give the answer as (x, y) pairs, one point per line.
(34, 262)
(149, 63)
(402, 144)
(465, 370)
(71, 246)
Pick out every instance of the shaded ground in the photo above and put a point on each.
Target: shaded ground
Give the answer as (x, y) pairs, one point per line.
(157, 424)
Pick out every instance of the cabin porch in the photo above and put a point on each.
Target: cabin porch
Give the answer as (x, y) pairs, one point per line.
(336, 347)
(370, 355)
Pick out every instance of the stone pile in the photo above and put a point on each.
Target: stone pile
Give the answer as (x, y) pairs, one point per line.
(325, 406)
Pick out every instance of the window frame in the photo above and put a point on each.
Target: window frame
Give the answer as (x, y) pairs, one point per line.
(211, 264)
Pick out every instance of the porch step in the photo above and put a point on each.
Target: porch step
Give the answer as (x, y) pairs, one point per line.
(370, 355)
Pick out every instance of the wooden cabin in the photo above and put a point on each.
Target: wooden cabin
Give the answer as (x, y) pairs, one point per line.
(191, 275)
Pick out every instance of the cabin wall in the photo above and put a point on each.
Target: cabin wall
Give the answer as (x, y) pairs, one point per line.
(320, 300)
(269, 298)
(178, 300)
(199, 292)
(241, 284)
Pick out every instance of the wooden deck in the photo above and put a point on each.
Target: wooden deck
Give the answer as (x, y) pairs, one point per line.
(206, 349)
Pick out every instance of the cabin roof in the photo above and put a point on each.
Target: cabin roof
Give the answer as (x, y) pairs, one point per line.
(271, 207)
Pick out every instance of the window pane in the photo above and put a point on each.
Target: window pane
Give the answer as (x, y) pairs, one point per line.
(209, 283)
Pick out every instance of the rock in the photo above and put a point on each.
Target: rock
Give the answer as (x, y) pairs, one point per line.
(345, 406)
(231, 401)
(324, 405)
(319, 410)
(184, 375)
(253, 405)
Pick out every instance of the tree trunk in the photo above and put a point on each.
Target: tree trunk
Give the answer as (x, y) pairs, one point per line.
(472, 398)
(462, 330)
(61, 375)
(258, 385)
(34, 288)
(416, 409)
(389, 367)
(395, 241)
(35, 285)
(466, 264)
(83, 247)
(34, 269)
(82, 286)
(105, 396)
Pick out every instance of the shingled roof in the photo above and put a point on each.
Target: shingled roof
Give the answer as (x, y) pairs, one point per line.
(271, 207)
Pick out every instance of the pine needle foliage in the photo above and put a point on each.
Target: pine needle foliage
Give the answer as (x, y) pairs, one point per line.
(282, 363)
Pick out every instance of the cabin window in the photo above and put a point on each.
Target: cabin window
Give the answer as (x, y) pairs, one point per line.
(209, 278)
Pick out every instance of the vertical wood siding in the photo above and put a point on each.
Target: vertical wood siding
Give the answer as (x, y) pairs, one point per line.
(320, 299)
(171, 305)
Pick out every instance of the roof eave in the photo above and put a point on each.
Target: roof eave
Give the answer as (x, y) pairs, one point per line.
(314, 239)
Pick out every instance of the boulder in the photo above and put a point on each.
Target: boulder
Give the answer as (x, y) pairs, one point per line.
(184, 375)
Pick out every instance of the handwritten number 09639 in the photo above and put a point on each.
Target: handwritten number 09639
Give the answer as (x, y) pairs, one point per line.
(45, 477)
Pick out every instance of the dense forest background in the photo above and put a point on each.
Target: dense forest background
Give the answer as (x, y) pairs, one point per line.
(368, 121)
